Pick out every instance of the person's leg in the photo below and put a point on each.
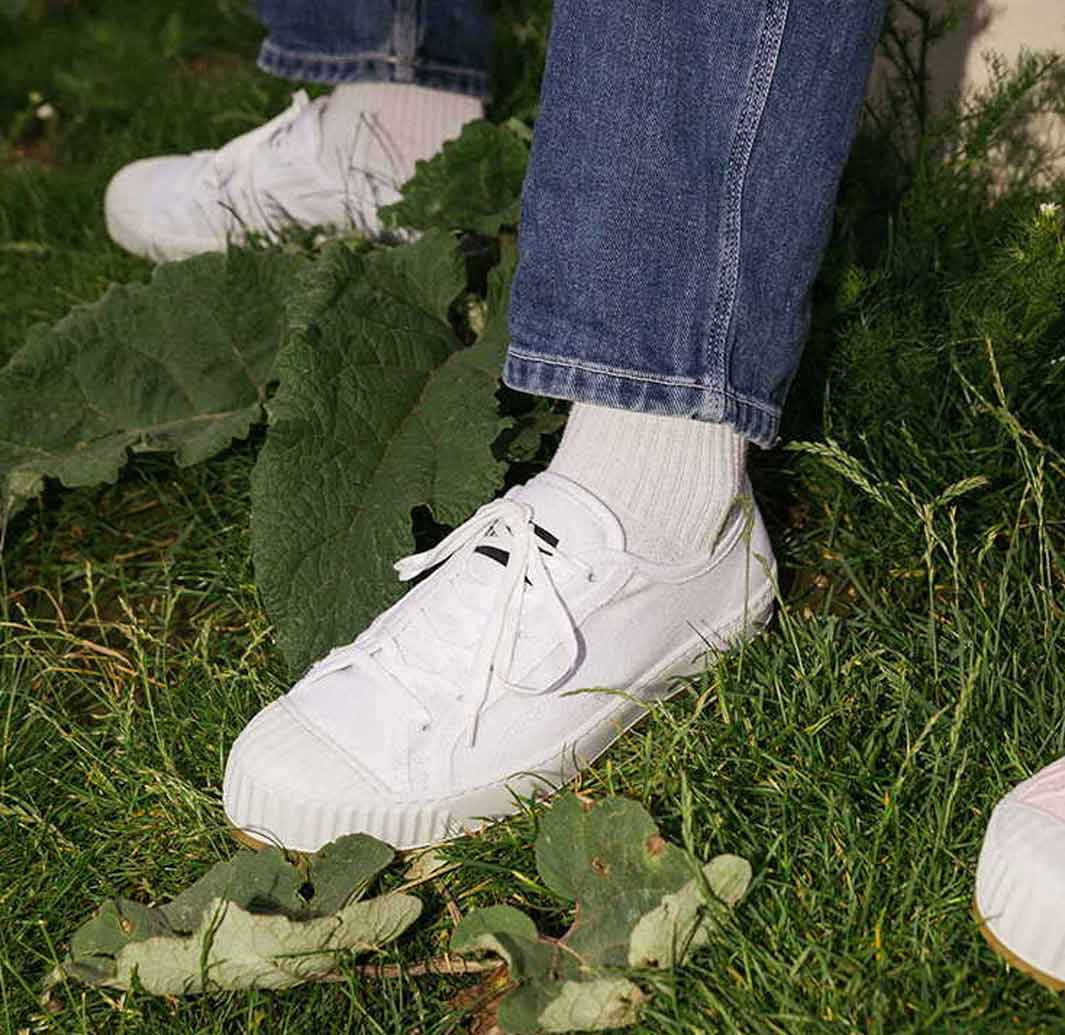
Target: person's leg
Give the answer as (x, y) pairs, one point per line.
(679, 199)
(407, 75)
(676, 210)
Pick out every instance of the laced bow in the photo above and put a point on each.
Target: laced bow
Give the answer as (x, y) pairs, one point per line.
(494, 653)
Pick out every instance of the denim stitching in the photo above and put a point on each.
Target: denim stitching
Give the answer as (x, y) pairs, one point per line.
(305, 56)
(367, 66)
(701, 403)
(599, 368)
(596, 368)
(765, 62)
(405, 39)
(301, 57)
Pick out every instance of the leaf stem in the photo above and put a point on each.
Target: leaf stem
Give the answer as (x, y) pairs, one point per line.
(442, 965)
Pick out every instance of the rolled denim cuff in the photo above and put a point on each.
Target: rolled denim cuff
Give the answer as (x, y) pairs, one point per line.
(561, 377)
(370, 67)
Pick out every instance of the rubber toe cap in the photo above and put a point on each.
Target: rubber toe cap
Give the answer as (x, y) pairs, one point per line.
(285, 783)
(146, 210)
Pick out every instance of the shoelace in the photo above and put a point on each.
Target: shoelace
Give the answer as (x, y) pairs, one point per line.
(236, 164)
(243, 184)
(494, 653)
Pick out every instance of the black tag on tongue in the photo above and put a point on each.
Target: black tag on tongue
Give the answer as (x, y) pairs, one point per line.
(501, 556)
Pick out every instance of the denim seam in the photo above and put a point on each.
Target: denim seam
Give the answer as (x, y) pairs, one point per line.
(405, 39)
(706, 403)
(628, 375)
(369, 67)
(302, 57)
(767, 54)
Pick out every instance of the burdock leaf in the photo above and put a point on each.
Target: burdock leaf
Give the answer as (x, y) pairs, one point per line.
(232, 948)
(596, 1005)
(342, 869)
(262, 882)
(116, 924)
(180, 364)
(381, 409)
(246, 924)
(510, 934)
(729, 877)
(685, 920)
(473, 183)
(640, 902)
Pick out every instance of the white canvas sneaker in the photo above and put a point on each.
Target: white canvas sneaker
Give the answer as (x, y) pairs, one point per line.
(457, 698)
(300, 169)
(1020, 878)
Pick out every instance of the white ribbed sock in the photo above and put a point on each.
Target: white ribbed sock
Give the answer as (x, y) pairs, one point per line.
(410, 122)
(670, 481)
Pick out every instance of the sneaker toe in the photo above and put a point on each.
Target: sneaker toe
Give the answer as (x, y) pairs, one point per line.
(148, 210)
(285, 783)
(1020, 877)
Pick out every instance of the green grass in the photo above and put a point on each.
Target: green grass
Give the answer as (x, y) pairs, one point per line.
(127, 80)
(915, 672)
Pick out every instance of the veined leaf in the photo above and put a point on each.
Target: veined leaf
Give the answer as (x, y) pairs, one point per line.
(180, 364)
(381, 409)
(474, 183)
(254, 921)
(232, 948)
(641, 903)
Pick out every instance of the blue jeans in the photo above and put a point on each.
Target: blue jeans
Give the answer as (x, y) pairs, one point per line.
(680, 197)
(440, 43)
(681, 187)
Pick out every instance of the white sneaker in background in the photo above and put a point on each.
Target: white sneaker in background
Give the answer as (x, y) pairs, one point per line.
(455, 699)
(1020, 878)
(330, 163)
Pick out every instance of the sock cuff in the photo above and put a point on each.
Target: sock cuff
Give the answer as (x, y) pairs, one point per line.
(670, 480)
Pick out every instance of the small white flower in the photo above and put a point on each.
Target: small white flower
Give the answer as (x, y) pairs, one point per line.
(1049, 209)
(45, 112)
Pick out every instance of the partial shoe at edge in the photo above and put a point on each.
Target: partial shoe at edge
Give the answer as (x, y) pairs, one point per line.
(1020, 877)
(455, 700)
(313, 166)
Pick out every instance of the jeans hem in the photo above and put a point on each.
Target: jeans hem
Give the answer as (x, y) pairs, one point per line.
(332, 69)
(564, 378)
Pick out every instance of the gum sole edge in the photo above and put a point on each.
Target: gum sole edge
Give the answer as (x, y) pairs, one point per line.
(1015, 961)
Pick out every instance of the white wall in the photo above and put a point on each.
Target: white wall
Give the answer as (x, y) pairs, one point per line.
(1006, 27)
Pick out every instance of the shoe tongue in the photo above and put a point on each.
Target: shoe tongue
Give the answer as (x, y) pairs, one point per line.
(576, 519)
(303, 133)
(565, 517)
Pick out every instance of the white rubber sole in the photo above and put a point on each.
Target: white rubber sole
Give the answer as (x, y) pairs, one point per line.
(1003, 951)
(418, 824)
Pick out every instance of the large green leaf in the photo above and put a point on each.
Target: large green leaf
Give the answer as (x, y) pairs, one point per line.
(381, 409)
(232, 948)
(257, 920)
(641, 903)
(473, 183)
(180, 364)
